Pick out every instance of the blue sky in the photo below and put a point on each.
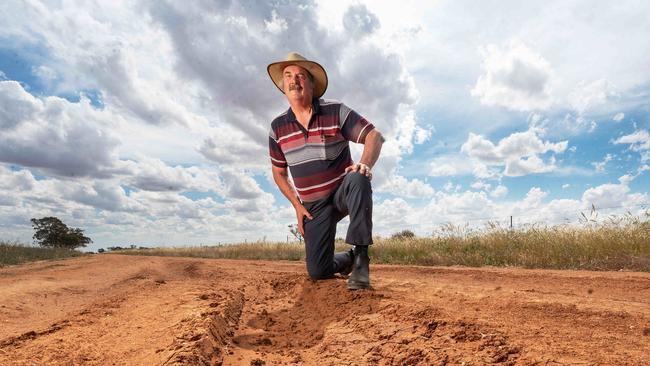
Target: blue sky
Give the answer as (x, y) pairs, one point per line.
(145, 122)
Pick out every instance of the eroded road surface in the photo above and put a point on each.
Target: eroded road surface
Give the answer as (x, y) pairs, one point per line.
(127, 310)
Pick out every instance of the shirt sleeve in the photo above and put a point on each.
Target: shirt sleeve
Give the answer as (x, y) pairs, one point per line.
(276, 154)
(354, 127)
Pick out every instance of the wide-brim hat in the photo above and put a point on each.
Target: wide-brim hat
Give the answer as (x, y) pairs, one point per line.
(276, 69)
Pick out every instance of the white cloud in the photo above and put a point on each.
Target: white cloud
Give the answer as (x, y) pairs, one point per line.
(276, 25)
(402, 187)
(618, 117)
(45, 73)
(613, 195)
(499, 191)
(422, 135)
(518, 152)
(638, 141)
(600, 166)
(54, 135)
(358, 21)
(151, 174)
(591, 95)
(448, 166)
(481, 185)
(515, 77)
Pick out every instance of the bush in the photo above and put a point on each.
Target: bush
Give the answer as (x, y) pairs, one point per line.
(404, 234)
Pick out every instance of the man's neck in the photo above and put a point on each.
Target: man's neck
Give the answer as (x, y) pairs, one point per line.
(302, 110)
(300, 106)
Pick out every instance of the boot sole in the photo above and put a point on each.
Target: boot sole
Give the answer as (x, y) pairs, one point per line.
(358, 286)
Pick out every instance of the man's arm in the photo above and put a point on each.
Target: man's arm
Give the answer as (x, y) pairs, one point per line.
(371, 150)
(281, 178)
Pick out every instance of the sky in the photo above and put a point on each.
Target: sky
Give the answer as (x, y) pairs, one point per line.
(146, 122)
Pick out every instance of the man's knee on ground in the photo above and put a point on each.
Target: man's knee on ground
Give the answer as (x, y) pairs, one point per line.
(317, 273)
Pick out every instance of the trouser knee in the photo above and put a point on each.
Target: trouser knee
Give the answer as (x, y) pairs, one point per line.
(356, 179)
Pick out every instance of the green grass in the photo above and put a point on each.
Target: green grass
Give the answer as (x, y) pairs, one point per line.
(619, 244)
(17, 253)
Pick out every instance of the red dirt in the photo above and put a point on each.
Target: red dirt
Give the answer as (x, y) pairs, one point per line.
(128, 310)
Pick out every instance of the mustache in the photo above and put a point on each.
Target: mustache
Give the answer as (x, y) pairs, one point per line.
(294, 87)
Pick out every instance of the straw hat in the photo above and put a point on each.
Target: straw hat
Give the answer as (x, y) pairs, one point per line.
(276, 69)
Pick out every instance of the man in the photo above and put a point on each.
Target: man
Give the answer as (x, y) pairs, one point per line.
(311, 139)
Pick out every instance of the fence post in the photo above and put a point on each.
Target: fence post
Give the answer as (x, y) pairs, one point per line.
(510, 222)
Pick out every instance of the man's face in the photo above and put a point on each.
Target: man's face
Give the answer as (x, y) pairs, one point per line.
(297, 83)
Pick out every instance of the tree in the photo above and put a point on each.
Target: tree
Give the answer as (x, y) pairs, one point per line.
(52, 232)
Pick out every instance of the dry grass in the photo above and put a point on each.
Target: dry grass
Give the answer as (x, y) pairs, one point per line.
(17, 253)
(619, 244)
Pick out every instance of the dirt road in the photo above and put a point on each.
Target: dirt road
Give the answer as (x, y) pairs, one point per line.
(127, 310)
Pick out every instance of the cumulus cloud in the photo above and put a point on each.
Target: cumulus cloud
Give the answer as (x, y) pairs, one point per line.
(54, 135)
(243, 97)
(591, 95)
(422, 135)
(518, 152)
(515, 77)
(359, 22)
(152, 174)
(100, 195)
(16, 105)
(403, 187)
(458, 164)
(111, 52)
(499, 191)
(612, 195)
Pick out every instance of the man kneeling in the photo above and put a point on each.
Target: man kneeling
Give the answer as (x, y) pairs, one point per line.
(311, 140)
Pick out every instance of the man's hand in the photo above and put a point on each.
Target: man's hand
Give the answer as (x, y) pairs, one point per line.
(361, 168)
(301, 213)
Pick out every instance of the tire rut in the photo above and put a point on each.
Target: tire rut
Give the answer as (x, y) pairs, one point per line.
(292, 320)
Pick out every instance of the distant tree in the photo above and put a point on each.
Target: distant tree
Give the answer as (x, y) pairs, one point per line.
(404, 234)
(52, 232)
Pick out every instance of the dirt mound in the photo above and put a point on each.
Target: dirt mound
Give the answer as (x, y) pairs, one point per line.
(114, 310)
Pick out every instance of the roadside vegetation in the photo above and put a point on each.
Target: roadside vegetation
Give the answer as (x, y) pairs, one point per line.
(17, 253)
(620, 243)
(55, 239)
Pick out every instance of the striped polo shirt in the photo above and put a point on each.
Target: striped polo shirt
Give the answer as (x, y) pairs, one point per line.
(317, 156)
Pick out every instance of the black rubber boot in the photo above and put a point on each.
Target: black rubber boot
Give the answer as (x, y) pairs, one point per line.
(344, 262)
(360, 277)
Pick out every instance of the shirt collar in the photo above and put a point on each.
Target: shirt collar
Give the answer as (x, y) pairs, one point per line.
(315, 109)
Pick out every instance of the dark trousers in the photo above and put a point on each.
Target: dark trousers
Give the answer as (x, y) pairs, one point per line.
(353, 197)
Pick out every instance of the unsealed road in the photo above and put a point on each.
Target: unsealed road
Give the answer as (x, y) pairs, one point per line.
(128, 310)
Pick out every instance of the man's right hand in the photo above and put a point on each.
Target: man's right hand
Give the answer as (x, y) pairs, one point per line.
(301, 213)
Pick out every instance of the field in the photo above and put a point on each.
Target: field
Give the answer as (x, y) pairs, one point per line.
(115, 309)
(621, 243)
